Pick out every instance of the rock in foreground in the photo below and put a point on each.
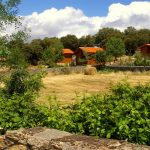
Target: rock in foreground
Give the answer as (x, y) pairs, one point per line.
(51, 139)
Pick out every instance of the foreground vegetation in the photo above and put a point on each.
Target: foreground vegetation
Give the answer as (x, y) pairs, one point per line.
(124, 113)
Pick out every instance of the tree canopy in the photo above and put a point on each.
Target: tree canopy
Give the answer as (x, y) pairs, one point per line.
(70, 41)
(87, 41)
(8, 11)
(104, 34)
(115, 47)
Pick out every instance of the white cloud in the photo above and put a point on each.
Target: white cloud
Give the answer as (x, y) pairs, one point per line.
(60, 22)
(136, 14)
(54, 22)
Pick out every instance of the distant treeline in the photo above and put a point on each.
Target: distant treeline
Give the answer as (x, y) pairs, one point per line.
(50, 48)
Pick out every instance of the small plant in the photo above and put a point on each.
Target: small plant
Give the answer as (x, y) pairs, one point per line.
(141, 60)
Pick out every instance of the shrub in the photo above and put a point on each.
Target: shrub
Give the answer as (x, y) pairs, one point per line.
(19, 111)
(115, 47)
(122, 114)
(17, 106)
(101, 57)
(56, 117)
(21, 81)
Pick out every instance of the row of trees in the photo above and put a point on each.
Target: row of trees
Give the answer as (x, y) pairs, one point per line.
(49, 50)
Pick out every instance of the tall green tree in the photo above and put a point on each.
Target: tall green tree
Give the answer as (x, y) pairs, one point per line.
(42, 50)
(70, 41)
(131, 42)
(17, 107)
(11, 48)
(8, 11)
(105, 34)
(87, 41)
(135, 38)
(33, 51)
(115, 47)
(52, 55)
(101, 57)
(16, 57)
(143, 36)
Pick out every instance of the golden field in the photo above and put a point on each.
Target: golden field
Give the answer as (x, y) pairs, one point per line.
(66, 88)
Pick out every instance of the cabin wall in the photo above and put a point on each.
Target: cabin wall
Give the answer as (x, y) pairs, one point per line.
(145, 51)
(67, 58)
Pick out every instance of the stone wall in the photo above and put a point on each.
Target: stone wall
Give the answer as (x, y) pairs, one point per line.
(50, 139)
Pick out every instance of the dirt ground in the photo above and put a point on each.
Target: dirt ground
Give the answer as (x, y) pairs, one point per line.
(67, 88)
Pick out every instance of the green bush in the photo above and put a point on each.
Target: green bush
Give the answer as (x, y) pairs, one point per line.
(57, 117)
(19, 111)
(21, 81)
(101, 57)
(141, 61)
(122, 114)
(17, 106)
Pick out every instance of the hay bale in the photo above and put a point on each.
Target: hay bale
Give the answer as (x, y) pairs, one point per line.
(90, 71)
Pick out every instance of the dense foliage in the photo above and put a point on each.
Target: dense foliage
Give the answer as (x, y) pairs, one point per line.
(47, 51)
(8, 10)
(101, 57)
(131, 39)
(115, 47)
(70, 41)
(104, 34)
(17, 100)
(87, 41)
(141, 61)
(52, 55)
(122, 114)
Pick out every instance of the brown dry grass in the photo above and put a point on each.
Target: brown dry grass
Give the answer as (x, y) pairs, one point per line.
(67, 87)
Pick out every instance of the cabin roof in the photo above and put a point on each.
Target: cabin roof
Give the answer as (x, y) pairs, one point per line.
(67, 51)
(91, 49)
(145, 45)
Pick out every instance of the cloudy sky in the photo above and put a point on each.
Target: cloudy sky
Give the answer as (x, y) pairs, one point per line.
(48, 18)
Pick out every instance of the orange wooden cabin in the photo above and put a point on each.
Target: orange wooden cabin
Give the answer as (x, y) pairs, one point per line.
(145, 50)
(68, 54)
(90, 51)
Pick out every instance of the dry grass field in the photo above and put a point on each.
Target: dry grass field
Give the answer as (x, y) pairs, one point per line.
(67, 87)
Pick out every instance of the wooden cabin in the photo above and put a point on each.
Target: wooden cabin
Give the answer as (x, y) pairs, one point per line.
(84, 55)
(145, 50)
(68, 56)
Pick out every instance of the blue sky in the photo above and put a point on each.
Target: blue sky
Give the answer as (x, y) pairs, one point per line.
(89, 7)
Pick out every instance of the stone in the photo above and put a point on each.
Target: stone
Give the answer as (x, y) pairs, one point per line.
(18, 147)
(1, 138)
(113, 144)
(51, 139)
